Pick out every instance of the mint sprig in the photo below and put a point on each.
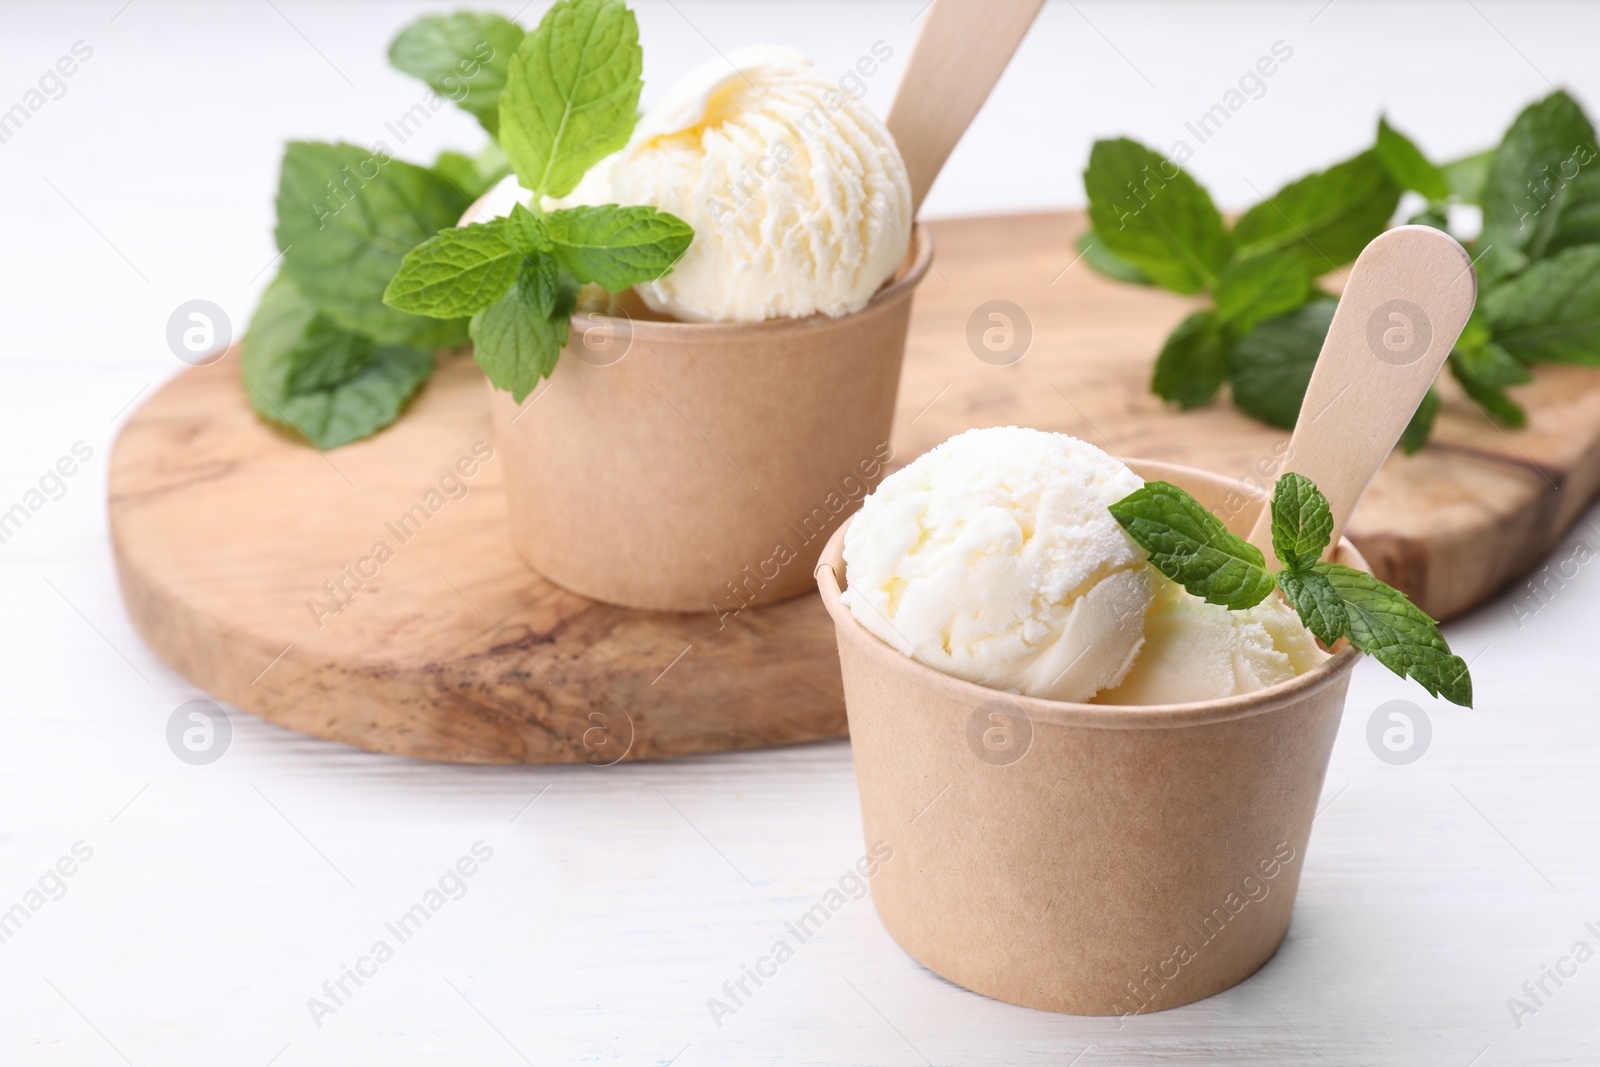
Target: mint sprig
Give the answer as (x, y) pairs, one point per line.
(305, 372)
(455, 273)
(1324, 220)
(346, 216)
(536, 261)
(375, 271)
(464, 57)
(1192, 547)
(1189, 545)
(1538, 260)
(1153, 216)
(570, 99)
(572, 93)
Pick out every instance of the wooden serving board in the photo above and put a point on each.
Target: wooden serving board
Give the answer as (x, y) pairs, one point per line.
(229, 535)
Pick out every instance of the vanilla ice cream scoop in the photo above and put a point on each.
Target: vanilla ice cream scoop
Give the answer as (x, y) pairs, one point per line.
(994, 558)
(798, 197)
(1199, 651)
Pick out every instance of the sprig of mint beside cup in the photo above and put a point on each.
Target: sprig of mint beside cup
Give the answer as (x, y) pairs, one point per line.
(1538, 260)
(570, 99)
(1192, 547)
(323, 355)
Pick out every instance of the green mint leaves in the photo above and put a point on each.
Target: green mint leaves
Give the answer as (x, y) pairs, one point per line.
(616, 247)
(1410, 168)
(515, 345)
(1153, 223)
(346, 217)
(1538, 260)
(1551, 312)
(517, 276)
(1302, 524)
(1541, 190)
(1324, 220)
(570, 99)
(456, 273)
(323, 354)
(1192, 547)
(572, 94)
(1152, 215)
(376, 273)
(305, 372)
(463, 57)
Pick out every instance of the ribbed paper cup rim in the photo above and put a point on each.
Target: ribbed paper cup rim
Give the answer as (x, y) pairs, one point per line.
(919, 258)
(830, 570)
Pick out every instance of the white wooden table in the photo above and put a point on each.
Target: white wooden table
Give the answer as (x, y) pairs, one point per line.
(207, 904)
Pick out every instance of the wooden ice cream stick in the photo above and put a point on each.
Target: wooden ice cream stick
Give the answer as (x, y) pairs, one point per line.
(963, 47)
(1405, 303)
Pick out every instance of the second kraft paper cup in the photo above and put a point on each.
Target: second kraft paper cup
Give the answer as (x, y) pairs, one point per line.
(1080, 858)
(677, 466)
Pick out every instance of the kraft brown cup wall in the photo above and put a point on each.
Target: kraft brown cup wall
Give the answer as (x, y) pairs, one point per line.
(1096, 860)
(678, 466)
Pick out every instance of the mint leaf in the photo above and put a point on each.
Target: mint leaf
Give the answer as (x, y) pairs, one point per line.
(1193, 362)
(1258, 288)
(325, 356)
(1484, 369)
(463, 57)
(472, 177)
(1542, 169)
(1499, 261)
(1270, 367)
(1104, 261)
(1420, 428)
(1302, 523)
(1191, 546)
(1483, 372)
(1491, 364)
(1398, 634)
(540, 287)
(617, 247)
(346, 219)
(572, 95)
(1406, 164)
(1150, 213)
(1468, 175)
(524, 230)
(292, 356)
(514, 346)
(460, 171)
(1433, 215)
(1551, 312)
(456, 273)
(1476, 332)
(1315, 601)
(1323, 220)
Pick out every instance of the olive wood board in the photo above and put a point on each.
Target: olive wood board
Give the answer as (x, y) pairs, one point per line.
(228, 534)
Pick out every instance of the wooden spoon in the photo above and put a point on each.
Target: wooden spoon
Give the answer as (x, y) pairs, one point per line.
(1408, 296)
(963, 47)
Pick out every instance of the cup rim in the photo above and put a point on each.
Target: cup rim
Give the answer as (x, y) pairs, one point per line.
(1072, 713)
(915, 266)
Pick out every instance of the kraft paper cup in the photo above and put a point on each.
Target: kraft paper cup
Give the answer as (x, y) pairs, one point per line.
(677, 466)
(1095, 860)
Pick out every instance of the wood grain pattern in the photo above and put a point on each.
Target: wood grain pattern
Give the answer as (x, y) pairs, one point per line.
(225, 532)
